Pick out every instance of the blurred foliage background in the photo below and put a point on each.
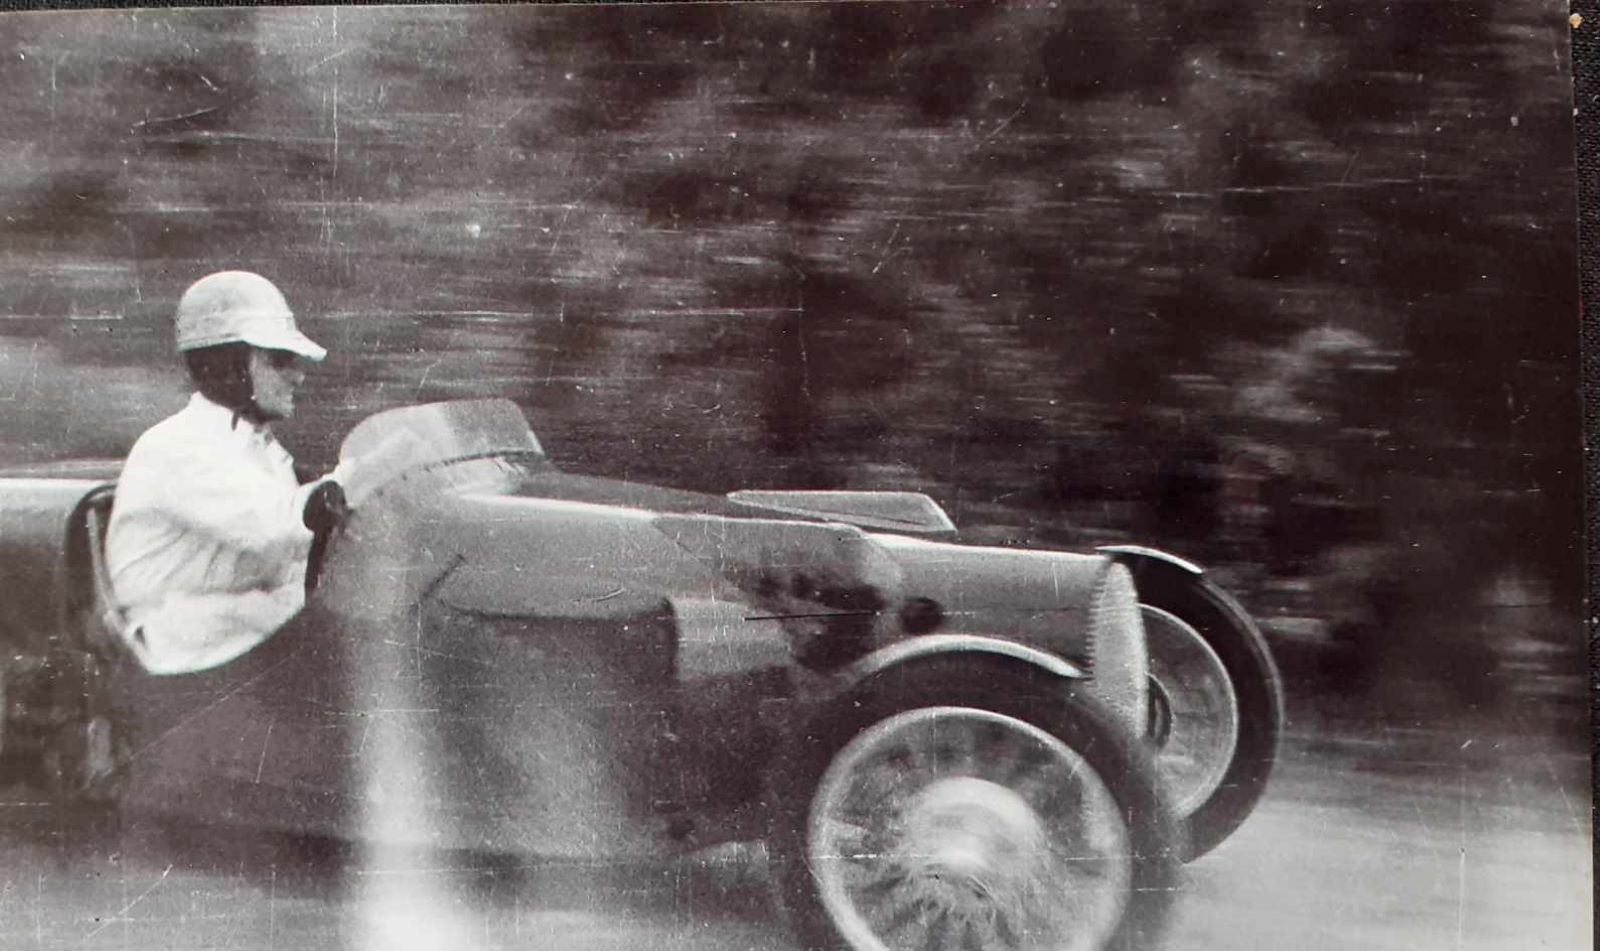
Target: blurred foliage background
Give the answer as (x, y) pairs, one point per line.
(1286, 287)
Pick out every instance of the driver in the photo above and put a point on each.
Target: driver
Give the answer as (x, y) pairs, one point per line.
(210, 531)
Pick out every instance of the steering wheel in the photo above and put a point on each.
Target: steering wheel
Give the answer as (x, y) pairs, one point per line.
(324, 514)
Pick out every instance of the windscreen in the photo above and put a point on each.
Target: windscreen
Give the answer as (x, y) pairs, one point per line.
(408, 438)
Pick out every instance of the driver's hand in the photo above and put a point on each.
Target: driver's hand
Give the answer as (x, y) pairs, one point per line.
(365, 474)
(325, 507)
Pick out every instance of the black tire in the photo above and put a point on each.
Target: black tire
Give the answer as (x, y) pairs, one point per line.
(980, 687)
(1258, 691)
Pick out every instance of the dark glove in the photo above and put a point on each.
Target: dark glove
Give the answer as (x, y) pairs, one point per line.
(325, 508)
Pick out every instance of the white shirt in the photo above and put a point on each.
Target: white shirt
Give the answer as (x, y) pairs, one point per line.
(206, 547)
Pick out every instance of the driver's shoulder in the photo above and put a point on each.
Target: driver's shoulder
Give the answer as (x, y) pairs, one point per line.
(197, 429)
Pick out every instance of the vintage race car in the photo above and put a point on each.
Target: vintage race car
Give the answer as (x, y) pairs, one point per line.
(941, 744)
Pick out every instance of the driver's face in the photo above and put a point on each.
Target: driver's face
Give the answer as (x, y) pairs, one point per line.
(276, 374)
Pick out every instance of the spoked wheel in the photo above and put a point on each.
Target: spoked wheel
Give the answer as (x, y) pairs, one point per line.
(1194, 711)
(1022, 821)
(1216, 702)
(957, 827)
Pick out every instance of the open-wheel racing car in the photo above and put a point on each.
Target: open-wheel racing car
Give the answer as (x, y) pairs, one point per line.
(943, 745)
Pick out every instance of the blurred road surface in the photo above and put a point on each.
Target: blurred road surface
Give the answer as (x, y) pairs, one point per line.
(1371, 837)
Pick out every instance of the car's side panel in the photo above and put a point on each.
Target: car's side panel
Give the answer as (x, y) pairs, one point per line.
(263, 740)
(36, 523)
(1041, 597)
(825, 590)
(491, 697)
(1060, 602)
(549, 558)
(524, 734)
(719, 637)
(779, 558)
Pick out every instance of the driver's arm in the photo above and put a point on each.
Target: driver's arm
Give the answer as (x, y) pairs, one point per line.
(245, 507)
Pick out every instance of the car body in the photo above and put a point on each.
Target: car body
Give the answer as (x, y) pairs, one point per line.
(503, 656)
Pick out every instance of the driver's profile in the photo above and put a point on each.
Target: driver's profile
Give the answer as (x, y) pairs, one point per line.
(210, 532)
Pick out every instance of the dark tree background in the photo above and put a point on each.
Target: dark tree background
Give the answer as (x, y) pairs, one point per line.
(1289, 287)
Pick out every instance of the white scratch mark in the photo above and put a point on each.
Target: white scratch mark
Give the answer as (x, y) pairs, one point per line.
(330, 57)
(514, 114)
(555, 240)
(262, 763)
(120, 916)
(1001, 127)
(888, 248)
(423, 380)
(206, 709)
(334, 58)
(1461, 868)
(177, 118)
(55, 64)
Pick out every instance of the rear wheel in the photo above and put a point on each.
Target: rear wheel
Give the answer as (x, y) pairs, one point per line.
(1194, 712)
(1216, 702)
(943, 808)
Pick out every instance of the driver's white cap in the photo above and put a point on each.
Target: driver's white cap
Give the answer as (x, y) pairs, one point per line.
(240, 307)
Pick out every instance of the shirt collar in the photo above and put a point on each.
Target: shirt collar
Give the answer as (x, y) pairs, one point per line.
(219, 416)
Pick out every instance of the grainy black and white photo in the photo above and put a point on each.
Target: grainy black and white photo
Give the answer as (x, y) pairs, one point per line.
(874, 476)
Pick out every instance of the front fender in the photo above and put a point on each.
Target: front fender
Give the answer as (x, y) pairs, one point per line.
(917, 648)
(980, 653)
(1147, 564)
(1138, 557)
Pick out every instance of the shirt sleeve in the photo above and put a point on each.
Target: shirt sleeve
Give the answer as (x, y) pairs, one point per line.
(224, 497)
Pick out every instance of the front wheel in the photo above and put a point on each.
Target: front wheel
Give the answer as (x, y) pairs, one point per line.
(948, 808)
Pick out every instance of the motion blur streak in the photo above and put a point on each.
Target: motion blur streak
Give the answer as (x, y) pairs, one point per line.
(404, 899)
